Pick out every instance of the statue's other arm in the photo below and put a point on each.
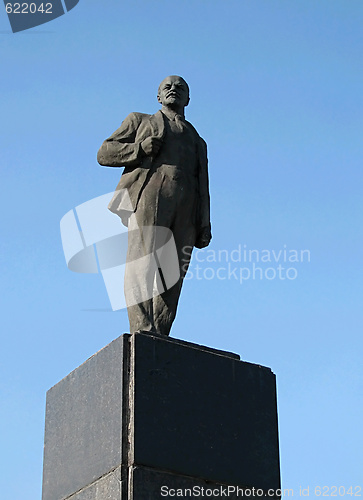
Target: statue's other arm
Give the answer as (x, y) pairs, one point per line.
(121, 150)
(204, 235)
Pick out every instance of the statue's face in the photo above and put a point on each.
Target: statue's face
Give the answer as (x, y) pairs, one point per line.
(173, 92)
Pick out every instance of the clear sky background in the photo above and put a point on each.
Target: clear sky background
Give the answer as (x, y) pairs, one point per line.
(276, 91)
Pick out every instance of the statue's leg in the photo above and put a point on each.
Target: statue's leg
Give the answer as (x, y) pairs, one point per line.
(141, 272)
(183, 229)
(137, 283)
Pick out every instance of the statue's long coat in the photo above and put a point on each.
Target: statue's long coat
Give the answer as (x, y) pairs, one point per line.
(122, 149)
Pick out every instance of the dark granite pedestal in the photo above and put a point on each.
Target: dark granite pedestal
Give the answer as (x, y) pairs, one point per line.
(150, 417)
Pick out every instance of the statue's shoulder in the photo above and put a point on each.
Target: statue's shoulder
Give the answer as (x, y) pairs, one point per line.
(196, 132)
(201, 141)
(135, 118)
(135, 115)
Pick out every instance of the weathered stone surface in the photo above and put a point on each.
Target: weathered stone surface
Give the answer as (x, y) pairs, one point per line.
(164, 412)
(108, 487)
(204, 415)
(151, 484)
(83, 431)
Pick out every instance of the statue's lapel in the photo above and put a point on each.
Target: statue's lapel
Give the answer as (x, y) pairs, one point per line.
(157, 124)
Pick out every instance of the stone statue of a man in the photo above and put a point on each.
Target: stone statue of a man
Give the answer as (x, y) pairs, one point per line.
(164, 185)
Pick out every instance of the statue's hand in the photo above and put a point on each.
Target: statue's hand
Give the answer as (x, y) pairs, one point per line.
(203, 238)
(151, 145)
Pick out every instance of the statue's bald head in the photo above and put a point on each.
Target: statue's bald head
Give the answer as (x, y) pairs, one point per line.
(173, 92)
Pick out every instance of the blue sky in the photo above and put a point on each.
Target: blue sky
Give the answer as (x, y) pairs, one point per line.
(276, 91)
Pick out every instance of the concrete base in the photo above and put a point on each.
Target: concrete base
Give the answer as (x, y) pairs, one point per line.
(149, 414)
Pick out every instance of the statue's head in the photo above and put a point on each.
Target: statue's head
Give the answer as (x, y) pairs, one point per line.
(173, 92)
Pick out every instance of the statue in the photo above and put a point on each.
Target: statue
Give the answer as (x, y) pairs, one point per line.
(166, 181)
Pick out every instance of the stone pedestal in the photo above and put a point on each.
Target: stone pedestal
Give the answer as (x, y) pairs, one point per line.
(148, 415)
